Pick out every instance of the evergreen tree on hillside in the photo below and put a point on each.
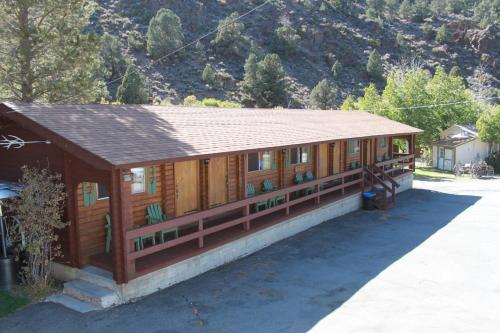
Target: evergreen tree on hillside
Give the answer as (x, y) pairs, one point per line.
(375, 8)
(229, 34)
(264, 82)
(392, 7)
(323, 96)
(405, 9)
(134, 88)
(208, 75)
(164, 33)
(46, 53)
(112, 55)
(375, 67)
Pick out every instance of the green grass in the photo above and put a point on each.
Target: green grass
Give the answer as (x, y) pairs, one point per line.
(430, 173)
(11, 302)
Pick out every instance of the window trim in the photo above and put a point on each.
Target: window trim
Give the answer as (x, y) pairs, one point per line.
(143, 181)
(97, 192)
(259, 159)
(299, 155)
(358, 146)
(385, 142)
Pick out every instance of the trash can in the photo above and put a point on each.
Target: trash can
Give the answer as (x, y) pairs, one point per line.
(369, 200)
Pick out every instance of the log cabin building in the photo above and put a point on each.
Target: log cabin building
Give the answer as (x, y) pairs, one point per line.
(156, 194)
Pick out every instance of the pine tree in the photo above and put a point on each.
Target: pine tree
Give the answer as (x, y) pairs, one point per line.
(336, 69)
(47, 55)
(229, 34)
(405, 10)
(442, 35)
(134, 88)
(375, 7)
(208, 75)
(323, 96)
(164, 33)
(392, 7)
(286, 39)
(264, 82)
(112, 55)
(375, 67)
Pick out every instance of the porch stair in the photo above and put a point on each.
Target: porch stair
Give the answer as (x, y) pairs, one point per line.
(94, 290)
(374, 177)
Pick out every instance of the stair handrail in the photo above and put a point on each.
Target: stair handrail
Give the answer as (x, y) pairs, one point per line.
(385, 175)
(377, 178)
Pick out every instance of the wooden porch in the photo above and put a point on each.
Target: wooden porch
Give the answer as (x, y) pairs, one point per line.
(207, 229)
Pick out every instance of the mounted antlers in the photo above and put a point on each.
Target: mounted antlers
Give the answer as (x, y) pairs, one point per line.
(12, 141)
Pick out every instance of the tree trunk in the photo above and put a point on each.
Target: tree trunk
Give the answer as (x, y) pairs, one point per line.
(25, 56)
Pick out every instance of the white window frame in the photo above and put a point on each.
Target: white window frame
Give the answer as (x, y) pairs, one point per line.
(262, 166)
(355, 148)
(97, 192)
(300, 155)
(138, 184)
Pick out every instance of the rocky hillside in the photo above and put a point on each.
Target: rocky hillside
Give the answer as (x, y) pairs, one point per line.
(325, 34)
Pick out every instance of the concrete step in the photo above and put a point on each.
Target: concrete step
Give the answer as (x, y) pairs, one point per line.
(72, 303)
(91, 293)
(98, 276)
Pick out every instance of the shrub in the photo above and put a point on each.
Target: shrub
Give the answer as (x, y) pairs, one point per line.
(336, 69)
(286, 39)
(209, 102)
(455, 71)
(38, 210)
(190, 100)
(494, 161)
(375, 67)
(112, 56)
(405, 9)
(264, 82)
(375, 8)
(134, 88)
(442, 35)
(400, 40)
(427, 30)
(229, 34)
(323, 96)
(135, 40)
(392, 7)
(208, 75)
(419, 10)
(164, 33)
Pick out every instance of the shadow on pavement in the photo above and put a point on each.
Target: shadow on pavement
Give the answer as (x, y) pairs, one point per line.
(287, 287)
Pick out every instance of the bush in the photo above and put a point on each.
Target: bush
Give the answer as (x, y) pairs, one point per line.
(264, 82)
(336, 69)
(208, 75)
(229, 35)
(38, 210)
(427, 30)
(134, 88)
(375, 67)
(442, 35)
(112, 56)
(286, 39)
(209, 102)
(375, 8)
(323, 96)
(164, 33)
(494, 161)
(135, 41)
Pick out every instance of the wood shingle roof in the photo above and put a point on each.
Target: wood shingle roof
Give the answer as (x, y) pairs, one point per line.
(133, 134)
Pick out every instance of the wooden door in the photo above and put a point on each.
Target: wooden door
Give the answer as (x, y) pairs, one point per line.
(323, 160)
(217, 181)
(336, 157)
(187, 197)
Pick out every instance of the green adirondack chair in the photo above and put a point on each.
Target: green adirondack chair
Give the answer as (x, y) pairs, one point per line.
(300, 180)
(156, 215)
(258, 205)
(267, 186)
(138, 242)
(309, 176)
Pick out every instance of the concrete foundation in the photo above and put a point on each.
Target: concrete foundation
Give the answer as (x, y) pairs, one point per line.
(242, 247)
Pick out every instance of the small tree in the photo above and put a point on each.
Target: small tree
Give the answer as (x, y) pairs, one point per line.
(442, 35)
(208, 75)
(229, 34)
(323, 96)
(286, 39)
(135, 40)
(134, 88)
(264, 82)
(336, 69)
(375, 8)
(392, 7)
(112, 55)
(38, 210)
(164, 33)
(405, 9)
(375, 67)
(488, 125)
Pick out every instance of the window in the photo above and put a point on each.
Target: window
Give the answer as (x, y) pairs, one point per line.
(300, 155)
(382, 142)
(138, 180)
(102, 192)
(353, 146)
(260, 161)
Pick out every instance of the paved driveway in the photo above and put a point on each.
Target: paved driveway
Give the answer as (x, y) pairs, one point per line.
(432, 264)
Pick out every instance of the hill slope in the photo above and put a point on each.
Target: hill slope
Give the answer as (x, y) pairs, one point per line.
(323, 32)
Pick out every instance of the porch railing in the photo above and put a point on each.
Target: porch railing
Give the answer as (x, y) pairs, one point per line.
(400, 163)
(340, 182)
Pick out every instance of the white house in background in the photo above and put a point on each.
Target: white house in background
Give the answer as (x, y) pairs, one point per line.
(459, 144)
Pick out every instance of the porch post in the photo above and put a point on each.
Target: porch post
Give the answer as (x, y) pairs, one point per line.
(317, 168)
(244, 170)
(72, 213)
(122, 220)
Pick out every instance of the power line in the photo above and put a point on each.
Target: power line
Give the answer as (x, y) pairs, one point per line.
(198, 39)
(426, 106)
